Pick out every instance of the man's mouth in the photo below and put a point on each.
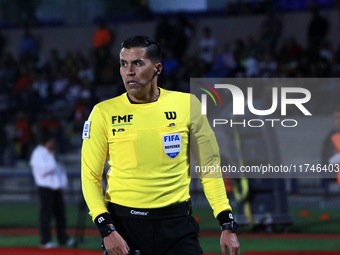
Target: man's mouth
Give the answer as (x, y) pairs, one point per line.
(131, 82)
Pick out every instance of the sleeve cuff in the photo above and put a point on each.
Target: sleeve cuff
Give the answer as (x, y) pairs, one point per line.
(225, 217)
(103, 220)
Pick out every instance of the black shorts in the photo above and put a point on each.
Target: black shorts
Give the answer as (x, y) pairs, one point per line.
(166, 231)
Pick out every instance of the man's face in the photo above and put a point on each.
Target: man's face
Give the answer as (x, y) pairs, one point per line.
(136, 67)
(337, 118)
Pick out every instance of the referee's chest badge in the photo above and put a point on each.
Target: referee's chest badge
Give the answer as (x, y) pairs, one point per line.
(172, 144)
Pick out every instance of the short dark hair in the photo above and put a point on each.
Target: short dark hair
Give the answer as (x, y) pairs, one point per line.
(153, 50)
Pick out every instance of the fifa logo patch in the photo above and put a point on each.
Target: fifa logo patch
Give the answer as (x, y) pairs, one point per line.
(172, 144)
(86, 130)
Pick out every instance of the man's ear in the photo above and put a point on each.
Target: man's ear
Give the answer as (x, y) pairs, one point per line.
(158, 68)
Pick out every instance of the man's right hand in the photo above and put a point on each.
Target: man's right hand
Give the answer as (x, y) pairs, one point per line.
(115, 244)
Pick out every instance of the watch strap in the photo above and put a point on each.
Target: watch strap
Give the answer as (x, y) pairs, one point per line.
(106, 230)
(230, 226)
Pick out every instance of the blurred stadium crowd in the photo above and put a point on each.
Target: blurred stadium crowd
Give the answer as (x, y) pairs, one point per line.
(58, 92)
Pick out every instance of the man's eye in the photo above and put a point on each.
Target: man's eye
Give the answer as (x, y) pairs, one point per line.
(137, 63)
(123, 64)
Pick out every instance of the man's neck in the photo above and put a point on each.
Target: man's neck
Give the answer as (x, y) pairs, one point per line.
(152, 97)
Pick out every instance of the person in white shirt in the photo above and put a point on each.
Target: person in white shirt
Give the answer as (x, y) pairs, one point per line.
(50, 179)
(207, 46)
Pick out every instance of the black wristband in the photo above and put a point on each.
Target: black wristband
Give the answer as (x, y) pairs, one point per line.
(106, 230)
(225, 217)
(230, 226)
(103, 220)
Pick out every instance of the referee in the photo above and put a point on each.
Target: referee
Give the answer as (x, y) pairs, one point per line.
(144, 134)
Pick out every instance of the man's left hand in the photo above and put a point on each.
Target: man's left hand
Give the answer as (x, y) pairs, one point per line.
(229, 240)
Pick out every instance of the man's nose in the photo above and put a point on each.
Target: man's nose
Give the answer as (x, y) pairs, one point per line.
(130, 72)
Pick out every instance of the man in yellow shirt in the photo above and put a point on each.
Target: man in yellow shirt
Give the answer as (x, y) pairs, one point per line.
(144, 134)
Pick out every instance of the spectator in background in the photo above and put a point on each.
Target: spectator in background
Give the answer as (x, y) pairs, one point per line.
(224, 64)
(103, 38)
(85, 72)
(239, 49)
(255, 46)
(79, 116)
(3, 42)
(108, 73)
(54, 62)
(251, 66)
(28, 48)
(23, 135)
(9, 71)
(50, 179)
(70, 66)
(42, 86)
(326, 52)
(331, 147)
(60, 84)
(3, 142)
(290, 49)
(268, 66)
(73, 90)
(271, 29)
(164, 32)
(51, 123)
(24, 80)
(170, 65)
(101, 60)
(318, 29)
(228, 58)
(184, 31)
(208, 47)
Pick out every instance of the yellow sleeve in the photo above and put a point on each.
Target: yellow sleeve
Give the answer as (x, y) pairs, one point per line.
(206, 153)
(94, 152)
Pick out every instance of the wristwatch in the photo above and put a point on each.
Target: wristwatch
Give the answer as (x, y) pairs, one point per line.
(106, 230)
(230, 226)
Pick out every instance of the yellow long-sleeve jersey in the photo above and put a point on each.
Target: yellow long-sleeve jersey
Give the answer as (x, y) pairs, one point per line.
(148, 151)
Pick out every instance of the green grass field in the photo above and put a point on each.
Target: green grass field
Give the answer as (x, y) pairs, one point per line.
(26, 216)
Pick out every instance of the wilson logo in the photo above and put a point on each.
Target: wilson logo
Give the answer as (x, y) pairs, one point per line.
(170, 115)
(100, 219)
